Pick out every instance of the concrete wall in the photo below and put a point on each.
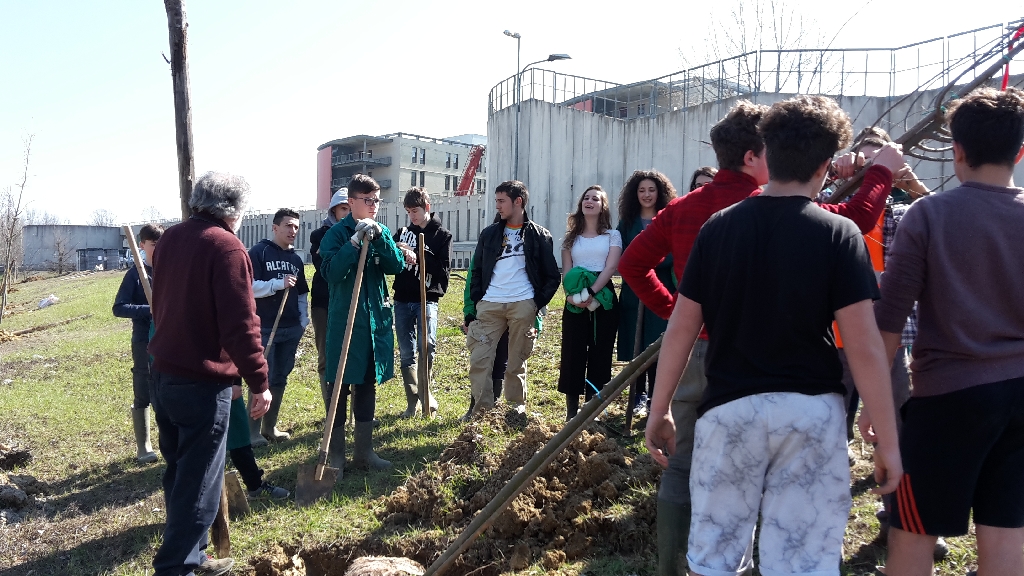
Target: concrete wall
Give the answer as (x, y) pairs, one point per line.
(563, 150)
(40, 243)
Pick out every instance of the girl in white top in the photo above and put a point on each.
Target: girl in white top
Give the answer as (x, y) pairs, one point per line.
(588, 336)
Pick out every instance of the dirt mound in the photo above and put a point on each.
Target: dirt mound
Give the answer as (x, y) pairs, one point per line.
(595, 498)
(592, 488)
(12, 456)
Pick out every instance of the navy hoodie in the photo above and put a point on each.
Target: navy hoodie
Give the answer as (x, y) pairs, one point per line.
(270, 262)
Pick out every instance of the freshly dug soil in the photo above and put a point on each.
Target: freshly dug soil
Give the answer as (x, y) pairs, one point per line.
(595, 498)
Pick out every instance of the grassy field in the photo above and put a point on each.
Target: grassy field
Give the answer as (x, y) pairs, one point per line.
(65, 394)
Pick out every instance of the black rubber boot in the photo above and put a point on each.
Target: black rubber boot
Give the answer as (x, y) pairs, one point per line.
(673, 533)
(336, 450)
(363, 456)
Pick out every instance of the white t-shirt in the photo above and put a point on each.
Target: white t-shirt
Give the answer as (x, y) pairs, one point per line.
(509, 282)
(592, 253)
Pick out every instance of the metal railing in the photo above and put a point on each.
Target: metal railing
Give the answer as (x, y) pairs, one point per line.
(359, 158)
(344, 181)
(886, 72)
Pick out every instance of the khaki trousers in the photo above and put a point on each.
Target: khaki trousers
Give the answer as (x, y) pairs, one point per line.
(482, 337)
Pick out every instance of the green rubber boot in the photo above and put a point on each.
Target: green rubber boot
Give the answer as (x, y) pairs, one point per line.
(140, 422)
(268, 428)
(412, 399)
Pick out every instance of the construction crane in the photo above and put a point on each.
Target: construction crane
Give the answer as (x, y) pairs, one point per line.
(465, 188)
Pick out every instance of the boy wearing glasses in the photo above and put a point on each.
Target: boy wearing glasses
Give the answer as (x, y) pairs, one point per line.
(370, 358)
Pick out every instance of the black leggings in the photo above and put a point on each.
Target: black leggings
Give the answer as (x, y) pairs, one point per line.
(245, 461)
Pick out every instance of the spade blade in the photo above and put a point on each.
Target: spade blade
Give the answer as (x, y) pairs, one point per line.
(308, 489)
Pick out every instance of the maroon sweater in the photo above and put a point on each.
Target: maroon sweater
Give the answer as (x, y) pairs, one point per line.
(205, 313)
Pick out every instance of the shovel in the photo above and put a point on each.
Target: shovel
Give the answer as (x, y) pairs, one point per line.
(317, 481)
(424, 375)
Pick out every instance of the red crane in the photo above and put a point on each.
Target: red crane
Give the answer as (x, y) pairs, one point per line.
(465, 188)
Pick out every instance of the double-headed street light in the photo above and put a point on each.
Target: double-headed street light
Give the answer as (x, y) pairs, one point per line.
(519, 91)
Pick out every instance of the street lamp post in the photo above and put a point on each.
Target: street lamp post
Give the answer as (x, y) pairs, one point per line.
(519, 99)
(516, 88)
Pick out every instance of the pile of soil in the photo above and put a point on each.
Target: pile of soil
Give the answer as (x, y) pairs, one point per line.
(6, 336)
(12, 456)
(594, 499)
(594, 487)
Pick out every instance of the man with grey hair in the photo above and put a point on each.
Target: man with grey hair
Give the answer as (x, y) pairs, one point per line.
(206, 342)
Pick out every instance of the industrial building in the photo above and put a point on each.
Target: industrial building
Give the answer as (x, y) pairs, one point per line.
(398, 162)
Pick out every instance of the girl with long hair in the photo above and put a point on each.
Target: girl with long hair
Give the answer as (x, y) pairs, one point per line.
(590, 256)
(642, 197)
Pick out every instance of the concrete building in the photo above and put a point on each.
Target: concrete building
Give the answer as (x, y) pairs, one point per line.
(575, 132)
(397, 162)
(71, 247)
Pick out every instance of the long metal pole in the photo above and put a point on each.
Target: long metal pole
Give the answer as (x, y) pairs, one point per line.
(519, 96)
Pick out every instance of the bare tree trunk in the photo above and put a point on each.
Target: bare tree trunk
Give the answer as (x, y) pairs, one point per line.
(177, 28)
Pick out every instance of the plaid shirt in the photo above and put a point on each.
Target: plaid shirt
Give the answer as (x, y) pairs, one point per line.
(890, 220)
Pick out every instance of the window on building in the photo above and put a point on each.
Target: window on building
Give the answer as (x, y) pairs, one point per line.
(423, 155)
(447, 182)
(641, 109)
(369, 153)
(413, 181)
(415, 151)
(423, 178)
(456, 161)
(455, 182)
(448, 164)
(623, 112)
(458, 222)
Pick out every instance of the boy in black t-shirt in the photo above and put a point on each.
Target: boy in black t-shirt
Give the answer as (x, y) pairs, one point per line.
(276, 266)
(767, 276)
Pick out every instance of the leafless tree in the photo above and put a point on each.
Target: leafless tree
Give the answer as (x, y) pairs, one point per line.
(102, 217)
(42, 218)
(11, 208)
(152, 214)
(63, 253)
(764, 45)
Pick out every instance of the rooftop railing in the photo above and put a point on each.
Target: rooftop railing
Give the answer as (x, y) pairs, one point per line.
(885, 72)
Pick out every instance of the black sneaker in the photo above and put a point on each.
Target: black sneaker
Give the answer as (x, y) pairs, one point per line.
(214, 566)
(268, 490)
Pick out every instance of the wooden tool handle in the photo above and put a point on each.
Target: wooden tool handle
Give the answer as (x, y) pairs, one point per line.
(143, 278)
(424, 375)
(277, 320)
(336, 394)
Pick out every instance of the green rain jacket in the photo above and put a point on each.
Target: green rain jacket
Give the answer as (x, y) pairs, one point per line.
(373, 334)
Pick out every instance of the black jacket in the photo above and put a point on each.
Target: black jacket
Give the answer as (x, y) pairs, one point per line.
(131, 302)
(541, 267)
(438, 253)
(320, 295)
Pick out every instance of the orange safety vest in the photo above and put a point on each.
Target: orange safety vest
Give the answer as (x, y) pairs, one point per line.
(876, 249)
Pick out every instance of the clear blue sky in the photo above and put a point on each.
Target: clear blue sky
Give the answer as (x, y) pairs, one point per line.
(273, 80)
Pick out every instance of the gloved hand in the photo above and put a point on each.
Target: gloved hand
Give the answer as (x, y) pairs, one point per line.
(370, 228)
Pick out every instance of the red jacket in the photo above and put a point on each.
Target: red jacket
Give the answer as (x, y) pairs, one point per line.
(675, 228)
(204, 310)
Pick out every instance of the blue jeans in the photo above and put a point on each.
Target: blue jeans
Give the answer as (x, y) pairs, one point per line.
(407, 320)
(192, 416)
(281, 360)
